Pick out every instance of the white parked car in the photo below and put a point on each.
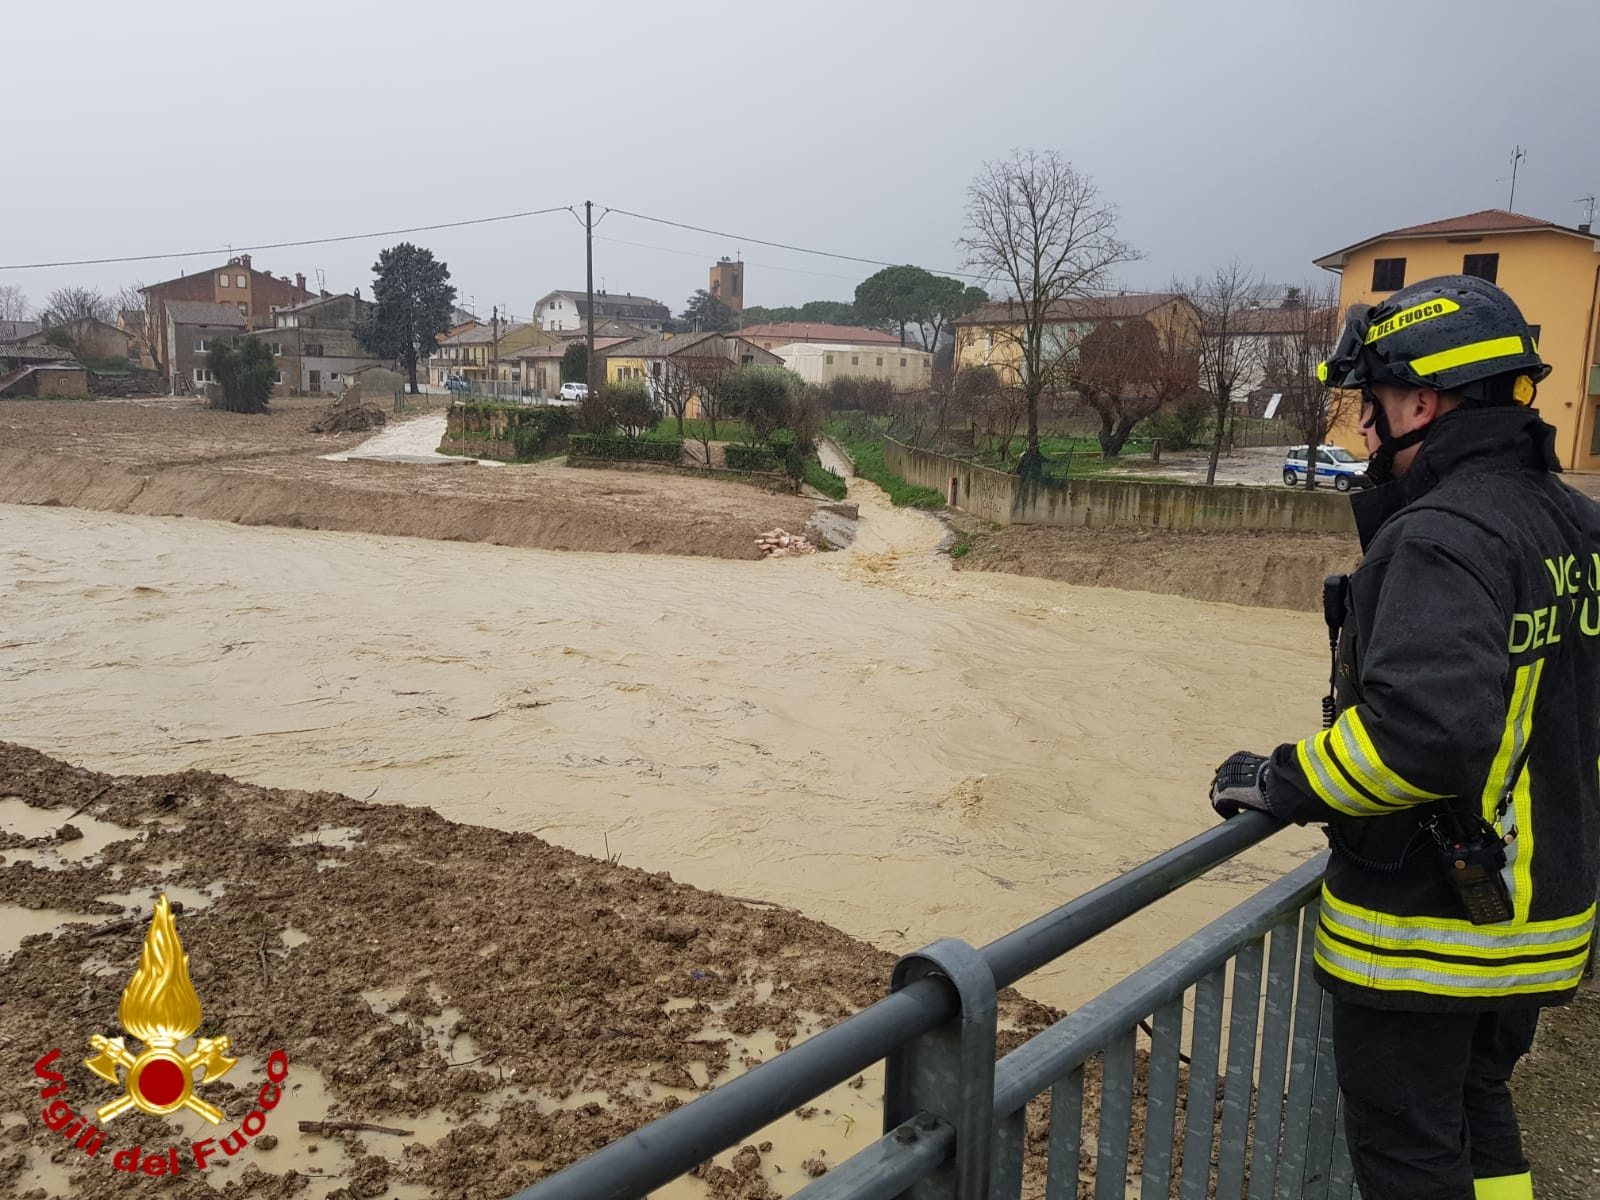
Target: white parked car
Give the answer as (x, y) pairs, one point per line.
(1333, 462)
(575, 391)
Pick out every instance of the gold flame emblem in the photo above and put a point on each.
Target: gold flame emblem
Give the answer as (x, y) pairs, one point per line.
(160, 1008)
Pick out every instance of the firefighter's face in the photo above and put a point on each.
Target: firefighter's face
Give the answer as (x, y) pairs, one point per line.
(1405, 409)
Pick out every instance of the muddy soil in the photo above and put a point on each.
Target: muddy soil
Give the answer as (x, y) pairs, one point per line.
(523, 1004)
(1266, 569)
(179, 458)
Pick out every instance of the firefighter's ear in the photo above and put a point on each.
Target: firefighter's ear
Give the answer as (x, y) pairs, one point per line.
(1425, 404)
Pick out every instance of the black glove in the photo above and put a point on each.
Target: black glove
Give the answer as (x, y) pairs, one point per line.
(1239, 784)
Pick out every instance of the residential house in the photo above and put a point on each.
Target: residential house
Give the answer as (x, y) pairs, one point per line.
(539, 368)
(315, 344)
(787, 333)
(515, 340)
(908, 368)
(1551, 271)
(652, 358)
(191, 328)
(991, 335)
(570, 310)
(90, 340)
(472, 353)
(15, 331)
(604, 329)
(40, 370)
(131, 321)
(1267, 343)
(254, 295)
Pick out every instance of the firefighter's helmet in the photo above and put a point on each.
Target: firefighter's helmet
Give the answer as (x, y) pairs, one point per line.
(1453, 333)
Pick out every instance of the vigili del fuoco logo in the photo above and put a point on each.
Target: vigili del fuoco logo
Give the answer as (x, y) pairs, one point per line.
(160, 1010)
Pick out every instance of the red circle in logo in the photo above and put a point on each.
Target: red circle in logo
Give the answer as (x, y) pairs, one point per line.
(161, 1081)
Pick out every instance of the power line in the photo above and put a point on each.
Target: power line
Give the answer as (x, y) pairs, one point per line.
(777, 245)
(324, 241)
(1110, 290)
(702, 255)
(871, 262)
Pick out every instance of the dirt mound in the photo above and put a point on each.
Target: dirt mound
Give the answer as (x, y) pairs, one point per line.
(350, 418)
(524, 1004)
(1266, 569)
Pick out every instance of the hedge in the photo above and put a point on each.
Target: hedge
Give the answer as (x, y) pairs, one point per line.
(622, 449)
(751, 458)
(531, 429)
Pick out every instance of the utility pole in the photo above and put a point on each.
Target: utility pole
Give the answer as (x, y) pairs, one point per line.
(1517, 155)
(588, 251)
(494, 351)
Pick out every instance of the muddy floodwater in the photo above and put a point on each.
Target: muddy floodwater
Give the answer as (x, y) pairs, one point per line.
(866, 736)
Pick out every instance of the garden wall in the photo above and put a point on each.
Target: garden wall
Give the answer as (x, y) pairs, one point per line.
(1007, 500)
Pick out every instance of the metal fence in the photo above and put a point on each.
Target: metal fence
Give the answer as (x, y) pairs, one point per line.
(1250, 1111)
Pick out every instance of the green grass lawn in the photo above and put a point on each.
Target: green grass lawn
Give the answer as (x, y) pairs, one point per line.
(868, 453)
(695, 430)
(824, 480)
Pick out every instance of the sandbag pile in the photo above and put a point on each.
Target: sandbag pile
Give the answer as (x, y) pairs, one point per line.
(780, 543)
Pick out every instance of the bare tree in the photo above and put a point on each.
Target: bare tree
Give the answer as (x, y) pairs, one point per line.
(672, 388)
(1038, 227)
(129, 298)
(1113, 370)
(13, 304)
(75, 303)
(1309, 329)
(1230, 350)
(1129, 370)
(1000, 417)
(706, 380)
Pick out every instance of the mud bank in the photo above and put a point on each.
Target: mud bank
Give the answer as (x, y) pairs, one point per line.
(406, 500)
(1260, 569)
(510, 1005)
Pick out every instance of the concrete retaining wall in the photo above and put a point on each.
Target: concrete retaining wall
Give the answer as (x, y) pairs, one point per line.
(1006, 500)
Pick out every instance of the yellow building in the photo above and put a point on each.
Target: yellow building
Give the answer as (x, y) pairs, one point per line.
(1552, 272)
(991, 336)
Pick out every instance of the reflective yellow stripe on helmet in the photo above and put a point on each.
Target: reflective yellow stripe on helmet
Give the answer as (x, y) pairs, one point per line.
(1465, 356)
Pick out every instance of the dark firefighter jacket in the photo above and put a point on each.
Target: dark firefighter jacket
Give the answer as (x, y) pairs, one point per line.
(1468, 676)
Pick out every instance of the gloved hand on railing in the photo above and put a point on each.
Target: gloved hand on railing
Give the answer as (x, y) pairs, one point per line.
(1240, 784)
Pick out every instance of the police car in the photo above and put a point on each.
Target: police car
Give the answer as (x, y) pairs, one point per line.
(1333, 462)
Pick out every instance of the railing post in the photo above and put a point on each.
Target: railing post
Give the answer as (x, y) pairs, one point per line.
(948, 1072)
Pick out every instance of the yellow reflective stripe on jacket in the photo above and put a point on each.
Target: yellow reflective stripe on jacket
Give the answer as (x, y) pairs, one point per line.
(1500, 788)
(1463, 356)
(1504, 1187)
(1445, 935)
(1347, 773)
(1519, 724)
(1394, 973)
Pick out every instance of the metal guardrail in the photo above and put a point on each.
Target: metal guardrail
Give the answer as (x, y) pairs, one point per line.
(954, 1119)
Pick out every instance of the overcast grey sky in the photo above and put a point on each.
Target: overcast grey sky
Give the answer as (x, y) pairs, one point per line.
(1268, 131)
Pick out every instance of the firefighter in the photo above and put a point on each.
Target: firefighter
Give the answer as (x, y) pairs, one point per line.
(1458, 783)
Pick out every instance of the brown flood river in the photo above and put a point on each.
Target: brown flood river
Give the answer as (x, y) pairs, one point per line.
(900, 750)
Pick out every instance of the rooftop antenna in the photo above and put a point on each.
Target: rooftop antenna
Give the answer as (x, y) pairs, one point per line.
(1517, 155)
(1588, 211)
(322, 282)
